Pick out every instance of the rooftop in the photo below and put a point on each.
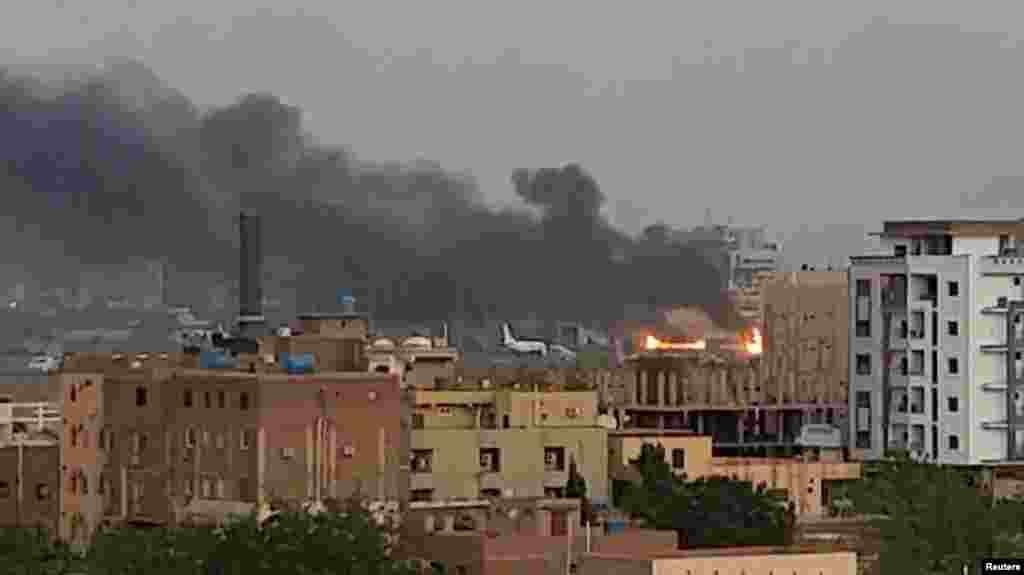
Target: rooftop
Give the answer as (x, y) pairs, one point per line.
(953, 226)
(801, 549)
(332, 315)
(652, 432)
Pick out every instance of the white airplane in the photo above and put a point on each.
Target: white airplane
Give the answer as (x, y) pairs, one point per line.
(534, 346)
(521, 346)
(44, 363)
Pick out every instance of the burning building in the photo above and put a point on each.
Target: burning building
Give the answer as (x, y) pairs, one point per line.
(688, 373)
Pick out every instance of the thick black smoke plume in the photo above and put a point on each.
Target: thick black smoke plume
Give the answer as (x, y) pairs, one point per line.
(120, 167)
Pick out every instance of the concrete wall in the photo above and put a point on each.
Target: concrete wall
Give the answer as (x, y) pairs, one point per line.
(806, 337)
(36, 501)
(723, 562)
(456, 470)
(623, 447)
(804, 481)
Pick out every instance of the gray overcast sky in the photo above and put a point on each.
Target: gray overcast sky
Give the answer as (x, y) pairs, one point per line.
(902, 121)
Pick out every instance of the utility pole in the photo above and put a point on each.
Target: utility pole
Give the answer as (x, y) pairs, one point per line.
(20, 484)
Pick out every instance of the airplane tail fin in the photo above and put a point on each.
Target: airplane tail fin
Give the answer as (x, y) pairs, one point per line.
(506, 333)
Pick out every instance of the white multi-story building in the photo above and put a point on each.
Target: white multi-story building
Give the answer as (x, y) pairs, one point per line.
(929, 345)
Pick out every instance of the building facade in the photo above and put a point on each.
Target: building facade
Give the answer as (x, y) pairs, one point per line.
(805, 559)
(506, 443)
(929, 348)
(806, 343)
(807, 482)
(143, 437)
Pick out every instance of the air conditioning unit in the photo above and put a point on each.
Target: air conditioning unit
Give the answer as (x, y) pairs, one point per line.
(444, 410)
(573, 412)
(287, 452)
(550, 459)
(348, 450)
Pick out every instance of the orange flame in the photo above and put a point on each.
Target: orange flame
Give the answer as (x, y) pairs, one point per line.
(654, 343)
(755, 346)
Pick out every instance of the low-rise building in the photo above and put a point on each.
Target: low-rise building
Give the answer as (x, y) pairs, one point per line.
(514, 536)
(421, 362)
(808, 482)
(505, 443)
(818, 559)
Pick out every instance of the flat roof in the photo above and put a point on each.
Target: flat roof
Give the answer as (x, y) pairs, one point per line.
(654, 432)
(945, 225)
(802, 549)
(332, 315)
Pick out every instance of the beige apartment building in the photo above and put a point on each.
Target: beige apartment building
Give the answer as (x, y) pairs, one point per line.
(505, 443)
(808, 482)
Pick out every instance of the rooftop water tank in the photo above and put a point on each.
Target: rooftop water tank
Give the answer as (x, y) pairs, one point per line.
(297, 364)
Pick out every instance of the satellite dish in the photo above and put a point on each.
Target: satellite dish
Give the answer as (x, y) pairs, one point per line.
(608, 422)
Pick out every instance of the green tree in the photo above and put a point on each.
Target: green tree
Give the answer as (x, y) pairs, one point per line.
(936, 518)
(342, 542)
(708, 512)
(30, 551)
(721, 512)
(657, 482)
(576, 488)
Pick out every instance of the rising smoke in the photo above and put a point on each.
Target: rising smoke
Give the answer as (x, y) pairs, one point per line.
(119, 167)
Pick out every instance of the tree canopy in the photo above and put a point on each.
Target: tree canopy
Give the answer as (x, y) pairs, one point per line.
(709, 512)
(936, 518)
(334, 542)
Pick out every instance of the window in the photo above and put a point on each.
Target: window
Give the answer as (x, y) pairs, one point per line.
(422, 460)
(243, 401)
(42, 492)
(141, 396)
(952, 328)
(188, 398)
(554, 459)
(953, 442)
(490, 460)
(74, 393)
(219, 440)
(421, 495)
(207, 400)
(138, 443)
(953, 289)
(245, 440)
(222, 400)
(190, 437)
(5, 490)
(678, 458)
(1016, 280)
(953, 365)
(900, 251)
(863, 364)
(75, 432)
(863, 288)
(953, 404)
